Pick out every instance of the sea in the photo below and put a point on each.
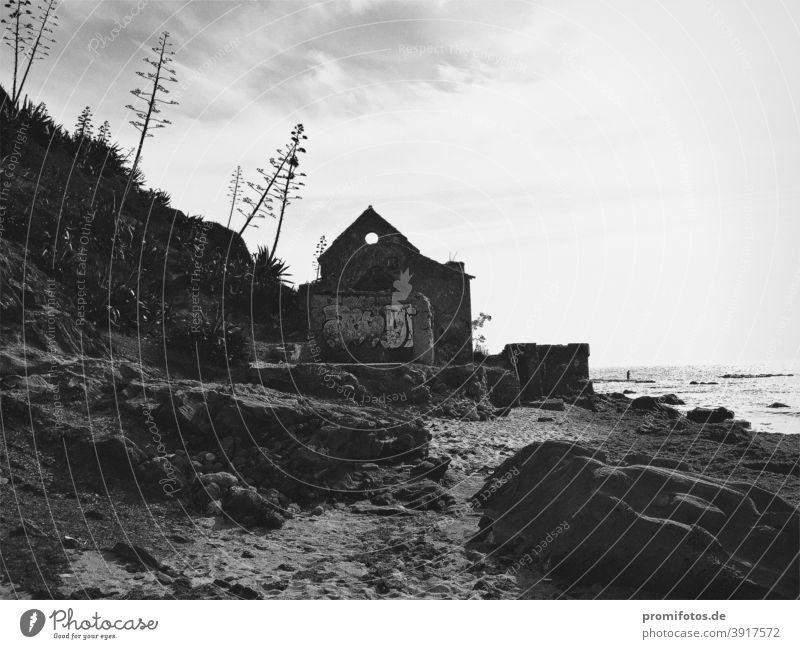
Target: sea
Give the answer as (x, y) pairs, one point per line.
(749, 398)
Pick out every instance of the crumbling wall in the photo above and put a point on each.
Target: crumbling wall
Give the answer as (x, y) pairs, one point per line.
(448, 289)
(375, 268)
(563, 368)
(370, 327)
(546, 370)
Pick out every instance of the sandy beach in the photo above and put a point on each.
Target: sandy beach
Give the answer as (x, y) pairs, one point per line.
(62, 538)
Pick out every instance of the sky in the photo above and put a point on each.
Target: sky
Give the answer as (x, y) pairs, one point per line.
(623, 173)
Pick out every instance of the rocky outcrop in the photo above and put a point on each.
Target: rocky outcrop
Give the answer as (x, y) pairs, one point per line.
(154, 437)
(455, 391)
(247, 506)
(751, 376)
(176, 433)
(654, 405)
(671, 400)
(709, 415)
(662, 531)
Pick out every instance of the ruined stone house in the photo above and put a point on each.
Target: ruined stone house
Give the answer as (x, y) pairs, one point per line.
(379, 299)
(545, 370)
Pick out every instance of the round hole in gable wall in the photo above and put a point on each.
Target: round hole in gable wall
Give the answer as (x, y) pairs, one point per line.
(371, 238)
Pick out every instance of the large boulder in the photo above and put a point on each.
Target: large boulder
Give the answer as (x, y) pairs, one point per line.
(709, 415)
(162, 475)
(658, 530)
(654, 405)
(248, 507)
(434, 468)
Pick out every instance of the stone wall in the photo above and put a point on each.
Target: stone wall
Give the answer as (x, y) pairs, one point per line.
(447, 288)
(370, 327)
(546, 370)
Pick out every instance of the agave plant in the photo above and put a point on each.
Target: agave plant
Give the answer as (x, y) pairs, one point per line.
(268, 270)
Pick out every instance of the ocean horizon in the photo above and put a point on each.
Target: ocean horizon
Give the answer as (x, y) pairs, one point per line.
(749, 398)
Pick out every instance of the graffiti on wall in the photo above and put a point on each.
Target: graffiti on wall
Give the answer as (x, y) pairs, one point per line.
(351, 326)
(399, 330)
(391, 326)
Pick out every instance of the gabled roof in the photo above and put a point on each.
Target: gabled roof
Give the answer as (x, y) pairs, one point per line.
(368, 221)
(371, 221)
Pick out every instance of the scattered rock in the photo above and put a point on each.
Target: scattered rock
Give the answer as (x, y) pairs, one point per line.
(380, 510)
(248, 507)
(164, 579)
(648, 403)
(671, 400)
(709, 415)
(244, 592)
(751, 376)
(645, 403)
(425, 495)
(159, 475)
(777, 404)
(382, 499)
(434, 468)
(136, 555)
(547, 404)
(213, 491)
(222, 479)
